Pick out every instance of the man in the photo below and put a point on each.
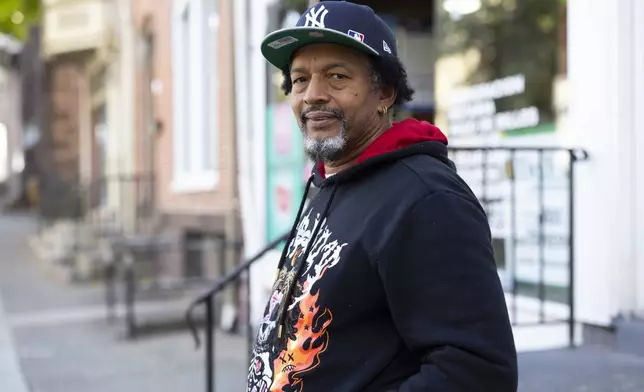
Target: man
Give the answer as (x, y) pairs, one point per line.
(387, 281)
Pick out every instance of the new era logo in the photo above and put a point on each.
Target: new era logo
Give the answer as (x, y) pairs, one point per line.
(385, 47)
(356, 35)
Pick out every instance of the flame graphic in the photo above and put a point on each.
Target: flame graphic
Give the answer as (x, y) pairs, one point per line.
(302, 354)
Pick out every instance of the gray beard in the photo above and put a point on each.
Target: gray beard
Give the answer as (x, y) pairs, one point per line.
(325, 150)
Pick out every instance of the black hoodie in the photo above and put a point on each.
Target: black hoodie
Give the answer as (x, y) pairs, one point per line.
(399, 290)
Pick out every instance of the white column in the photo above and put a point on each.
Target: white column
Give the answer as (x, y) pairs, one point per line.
(126, 82)
(254, 166)
(243, 126)
(638, 84)
(259, 25)
(602, 49)
(114, 161)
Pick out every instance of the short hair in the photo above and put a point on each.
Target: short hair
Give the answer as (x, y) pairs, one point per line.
(385, 72)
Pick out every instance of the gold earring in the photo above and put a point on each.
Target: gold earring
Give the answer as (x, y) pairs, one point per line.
(384, 110)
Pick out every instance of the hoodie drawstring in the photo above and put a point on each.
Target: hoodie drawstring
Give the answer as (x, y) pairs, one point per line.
(281, 318)
(297, 219)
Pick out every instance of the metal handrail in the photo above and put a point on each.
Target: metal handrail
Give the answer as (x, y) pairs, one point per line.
(575, 155)
(207, 300)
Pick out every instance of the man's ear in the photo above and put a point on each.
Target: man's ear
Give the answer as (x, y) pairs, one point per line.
(387, 96)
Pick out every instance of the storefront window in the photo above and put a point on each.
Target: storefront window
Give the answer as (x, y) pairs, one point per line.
(501, 67)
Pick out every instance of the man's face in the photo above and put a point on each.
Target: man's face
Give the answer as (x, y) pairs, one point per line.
(333, 98)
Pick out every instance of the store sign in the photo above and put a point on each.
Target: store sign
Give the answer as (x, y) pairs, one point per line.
(473, 110)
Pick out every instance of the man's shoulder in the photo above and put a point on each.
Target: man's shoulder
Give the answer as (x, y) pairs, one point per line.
(432, 175)
(403, 184)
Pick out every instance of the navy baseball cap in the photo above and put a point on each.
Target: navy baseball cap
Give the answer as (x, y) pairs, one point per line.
(339, 22)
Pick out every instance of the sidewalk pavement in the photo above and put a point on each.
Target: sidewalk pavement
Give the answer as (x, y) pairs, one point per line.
(11, 377)
(587, 369)
(62, 343)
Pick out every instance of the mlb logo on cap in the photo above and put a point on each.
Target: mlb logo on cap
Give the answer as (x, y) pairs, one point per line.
(356, 35)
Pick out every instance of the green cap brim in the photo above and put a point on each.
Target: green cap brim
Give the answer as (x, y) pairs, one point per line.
(278, 47)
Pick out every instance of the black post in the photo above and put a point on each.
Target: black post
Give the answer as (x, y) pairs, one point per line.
(571, 249)
(210, 344)
(110, 290)
(130, 293)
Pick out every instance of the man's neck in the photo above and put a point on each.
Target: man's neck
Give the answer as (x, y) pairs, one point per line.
(360, 145)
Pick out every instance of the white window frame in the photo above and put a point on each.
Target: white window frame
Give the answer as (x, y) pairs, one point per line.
(195, 96)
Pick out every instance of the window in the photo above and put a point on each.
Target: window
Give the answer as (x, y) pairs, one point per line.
(195, 71)
(501, 69)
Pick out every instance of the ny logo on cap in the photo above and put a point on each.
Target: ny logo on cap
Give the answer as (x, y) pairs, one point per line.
(315, 17)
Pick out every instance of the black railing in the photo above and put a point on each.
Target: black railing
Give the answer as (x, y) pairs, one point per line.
(140, 269)
(506, 180)
(83, 200)
(528, 194)
(207, 300)
(135, 196)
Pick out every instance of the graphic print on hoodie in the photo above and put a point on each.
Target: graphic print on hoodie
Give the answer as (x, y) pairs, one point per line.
(372, 293)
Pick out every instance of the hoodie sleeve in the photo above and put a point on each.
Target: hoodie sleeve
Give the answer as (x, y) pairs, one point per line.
(446, 298)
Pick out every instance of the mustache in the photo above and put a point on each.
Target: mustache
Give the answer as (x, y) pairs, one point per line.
(337, 113)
